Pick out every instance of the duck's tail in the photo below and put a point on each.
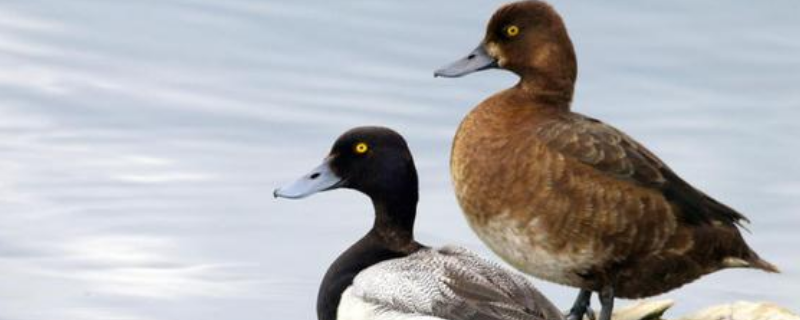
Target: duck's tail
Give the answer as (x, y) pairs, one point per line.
(753, 261)
(762, 264)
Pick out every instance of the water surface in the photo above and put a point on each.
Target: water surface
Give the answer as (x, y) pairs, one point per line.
(140, 140)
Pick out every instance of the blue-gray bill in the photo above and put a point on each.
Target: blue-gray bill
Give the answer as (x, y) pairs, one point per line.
(320, 179)
(477, 60)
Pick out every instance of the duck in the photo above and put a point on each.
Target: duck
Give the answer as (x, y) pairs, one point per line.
(568, 198)
(387, 274)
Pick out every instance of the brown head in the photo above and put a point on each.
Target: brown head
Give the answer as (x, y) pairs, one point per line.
(528, 38)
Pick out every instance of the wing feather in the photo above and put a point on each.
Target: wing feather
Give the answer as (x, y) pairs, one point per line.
(612, 152)
(452, 283)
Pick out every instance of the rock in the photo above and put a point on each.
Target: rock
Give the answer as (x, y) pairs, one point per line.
(643, 310)
(742, 310)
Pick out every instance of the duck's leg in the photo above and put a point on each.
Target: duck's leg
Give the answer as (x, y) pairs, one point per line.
(606, 302)
(581, 305)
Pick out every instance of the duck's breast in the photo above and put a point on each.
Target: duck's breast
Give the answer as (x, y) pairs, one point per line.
(545, 213)
(496, 165)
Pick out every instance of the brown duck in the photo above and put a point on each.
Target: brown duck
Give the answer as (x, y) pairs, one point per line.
(568, 198)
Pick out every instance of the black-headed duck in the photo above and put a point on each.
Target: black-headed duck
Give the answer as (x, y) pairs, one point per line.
(389, 275)
(568, 198)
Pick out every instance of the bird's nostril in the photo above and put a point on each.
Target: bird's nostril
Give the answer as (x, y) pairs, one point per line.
(315, 175)
(472, 56)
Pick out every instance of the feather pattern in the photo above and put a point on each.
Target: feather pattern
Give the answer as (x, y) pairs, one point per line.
(451, 283)
(572, 200)
(608, 150)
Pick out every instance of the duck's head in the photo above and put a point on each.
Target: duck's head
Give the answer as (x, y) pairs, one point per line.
(528, 38)
(373, 160)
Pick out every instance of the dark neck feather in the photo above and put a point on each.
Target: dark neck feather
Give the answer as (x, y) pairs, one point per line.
(392, 236)
(394, 219)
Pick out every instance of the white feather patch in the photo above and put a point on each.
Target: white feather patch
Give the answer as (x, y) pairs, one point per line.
(352, 307)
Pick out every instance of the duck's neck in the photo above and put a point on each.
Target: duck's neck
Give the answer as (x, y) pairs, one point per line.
(549, 80)
(394, 220)
(392, 236)
(547, 92)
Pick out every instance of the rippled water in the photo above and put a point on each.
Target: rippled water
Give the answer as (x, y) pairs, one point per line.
(140, 140)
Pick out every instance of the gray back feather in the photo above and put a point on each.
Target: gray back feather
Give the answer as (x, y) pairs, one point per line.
(452, 283)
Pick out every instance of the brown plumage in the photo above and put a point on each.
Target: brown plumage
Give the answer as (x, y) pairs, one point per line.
(567, 198)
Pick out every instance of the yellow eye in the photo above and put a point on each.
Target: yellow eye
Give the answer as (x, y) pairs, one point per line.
(512, 30)
(361, 148)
